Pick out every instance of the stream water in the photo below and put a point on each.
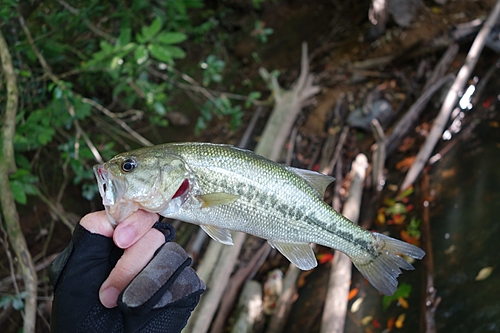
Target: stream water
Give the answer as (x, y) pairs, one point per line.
(466, 233)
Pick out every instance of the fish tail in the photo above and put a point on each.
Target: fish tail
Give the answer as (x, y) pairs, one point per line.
(383, 269)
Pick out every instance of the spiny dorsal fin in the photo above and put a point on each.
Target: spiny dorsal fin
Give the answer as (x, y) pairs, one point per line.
(300, 254)
(317, 180)
(217, 199)
(219, 234)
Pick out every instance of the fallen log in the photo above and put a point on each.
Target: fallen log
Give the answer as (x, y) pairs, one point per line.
(335, 310)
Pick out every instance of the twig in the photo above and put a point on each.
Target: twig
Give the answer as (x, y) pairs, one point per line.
(80, 131)
(8, 204)
(442, 66)
(291, 146)
(451, 99)
(38, 267)
(430, 301)
(406, 123)
(5, 244)
(335, 310)
(92, 28)
(57, 212)
(343, 136)
(117, 120)
(378, 157)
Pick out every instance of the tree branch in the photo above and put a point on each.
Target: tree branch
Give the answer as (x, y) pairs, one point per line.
(7, 163)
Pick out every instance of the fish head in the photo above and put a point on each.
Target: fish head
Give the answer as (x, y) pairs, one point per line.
(142, 179)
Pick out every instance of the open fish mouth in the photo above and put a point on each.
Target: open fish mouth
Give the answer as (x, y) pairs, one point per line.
(108, 192)
(105, 184)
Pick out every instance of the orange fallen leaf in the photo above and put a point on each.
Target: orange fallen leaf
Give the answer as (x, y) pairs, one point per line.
(408, 238)
(352, 293)
(399, 218)
(324, 257)
(376, 323)
(390, 323)
(403, 302)
(406, 163)
(400, 321)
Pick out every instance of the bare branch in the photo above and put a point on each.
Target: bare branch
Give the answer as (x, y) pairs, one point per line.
(9, 210)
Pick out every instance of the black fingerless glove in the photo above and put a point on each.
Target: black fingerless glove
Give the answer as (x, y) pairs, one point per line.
(159, 299)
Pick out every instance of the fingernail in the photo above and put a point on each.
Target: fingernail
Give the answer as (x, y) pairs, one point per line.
(124, 237)
(109, 296)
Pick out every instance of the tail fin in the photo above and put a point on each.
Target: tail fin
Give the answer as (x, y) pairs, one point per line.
(382, 271)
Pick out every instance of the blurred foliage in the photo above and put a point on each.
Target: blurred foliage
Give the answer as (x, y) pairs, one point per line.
(114, 63)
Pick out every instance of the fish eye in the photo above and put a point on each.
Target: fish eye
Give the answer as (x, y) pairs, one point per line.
(129, 165)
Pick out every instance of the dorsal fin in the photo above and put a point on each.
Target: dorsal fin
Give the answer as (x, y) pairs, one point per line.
(317, 180)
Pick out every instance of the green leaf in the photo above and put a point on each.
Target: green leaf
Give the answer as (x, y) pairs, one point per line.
(171, 37)
(6, 301)
(17, 303)
(404, 290)
(149, 32)
(160, 52)
(82, 110)
(176, 52)
(141, 54)
(124, 37)
(45, 135)
(18, 192)
(398, 208)
(160, 108)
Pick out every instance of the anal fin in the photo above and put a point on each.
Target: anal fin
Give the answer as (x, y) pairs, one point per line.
(300, 254)
(218, 234)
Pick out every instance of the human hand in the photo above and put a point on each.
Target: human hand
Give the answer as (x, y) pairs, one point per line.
(103, 264)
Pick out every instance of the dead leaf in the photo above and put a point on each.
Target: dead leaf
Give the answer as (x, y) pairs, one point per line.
(403, 302)
(400, 321)
(484, 273)
(390, 323)
(356, 305)
(380, 217)
(448, 173)
(352, 293)
(376, 323)
(406, 163)
(399, 218)
(366, 320)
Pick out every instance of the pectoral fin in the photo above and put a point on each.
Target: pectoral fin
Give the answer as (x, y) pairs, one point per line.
(217, 199)
(219, 234)
(300, 254)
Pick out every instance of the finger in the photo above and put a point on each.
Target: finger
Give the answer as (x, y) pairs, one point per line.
(133, 260)
(97, 223)
(133, 228)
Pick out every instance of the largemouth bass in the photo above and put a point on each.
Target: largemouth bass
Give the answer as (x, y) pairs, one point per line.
(222, 188)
